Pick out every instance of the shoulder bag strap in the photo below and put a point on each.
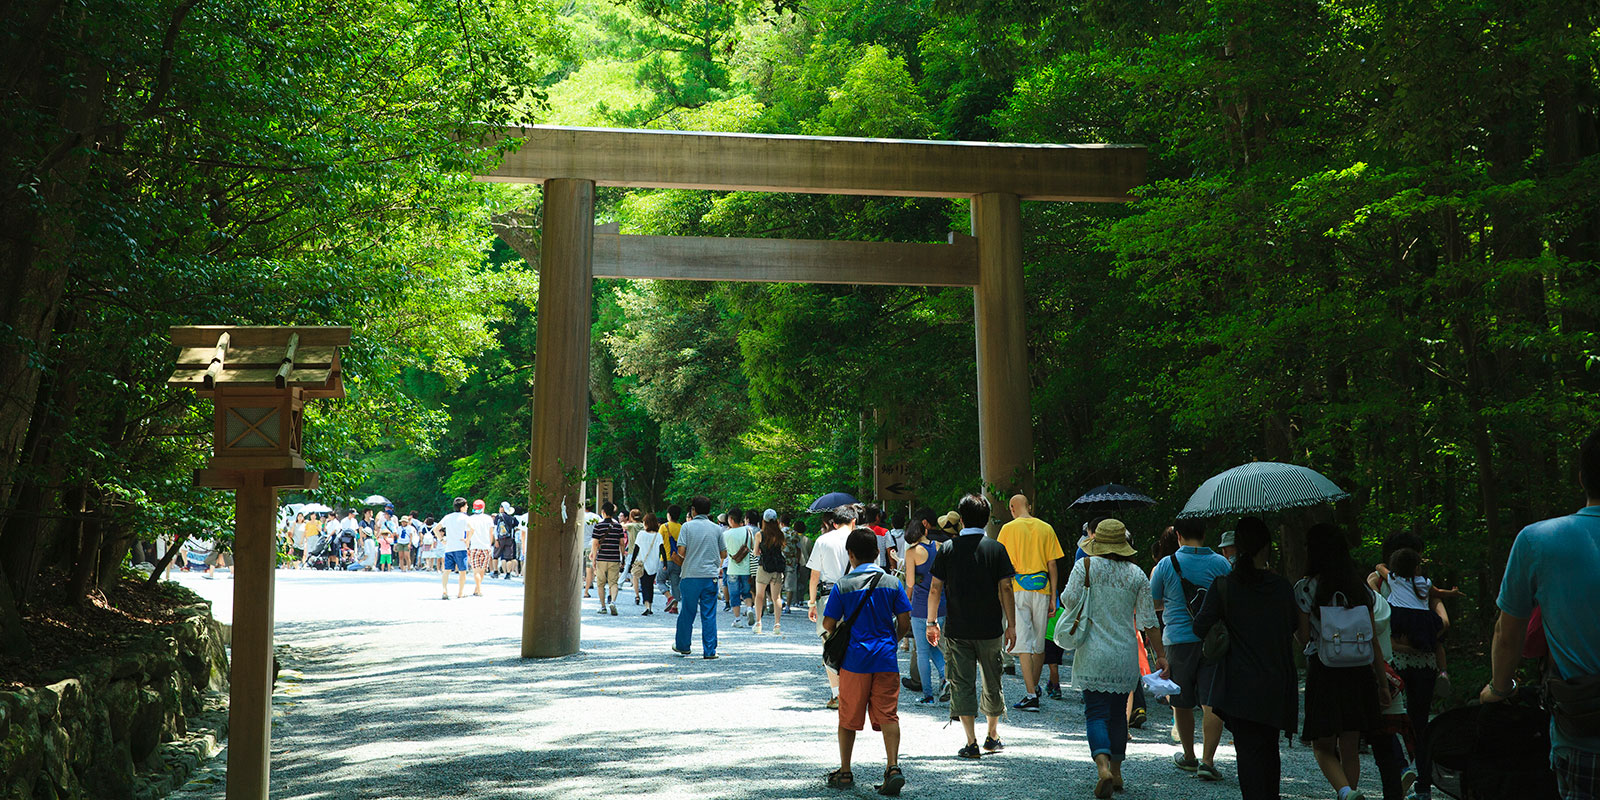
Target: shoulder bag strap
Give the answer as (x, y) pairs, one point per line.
(1077, 620)
(872, 584)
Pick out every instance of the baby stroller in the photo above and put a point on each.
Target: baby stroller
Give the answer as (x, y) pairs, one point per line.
(319, 552)
(1493, 751)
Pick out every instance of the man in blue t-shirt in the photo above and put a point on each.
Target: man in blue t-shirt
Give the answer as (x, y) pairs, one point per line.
(869, 677)
(1196, 564)
(1552, 567)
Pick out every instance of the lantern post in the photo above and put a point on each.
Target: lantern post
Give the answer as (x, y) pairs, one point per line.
(259, 379)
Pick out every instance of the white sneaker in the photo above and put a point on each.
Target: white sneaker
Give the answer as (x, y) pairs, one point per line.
(758, 629)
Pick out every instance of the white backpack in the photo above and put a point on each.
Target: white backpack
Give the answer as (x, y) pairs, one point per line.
(1344, 635)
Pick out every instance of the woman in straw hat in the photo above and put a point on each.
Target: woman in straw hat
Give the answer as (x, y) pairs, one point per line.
(1106, 665)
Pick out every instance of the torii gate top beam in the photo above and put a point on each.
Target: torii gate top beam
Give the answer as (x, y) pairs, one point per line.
(821, 165)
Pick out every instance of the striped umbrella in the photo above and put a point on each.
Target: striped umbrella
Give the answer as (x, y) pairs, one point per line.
(1259, 487)
(1112, 497)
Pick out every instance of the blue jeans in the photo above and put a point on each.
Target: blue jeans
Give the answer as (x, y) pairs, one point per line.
(928, 656)
(669, 575)
(739, 589)
(1107, 724)
(699, 595)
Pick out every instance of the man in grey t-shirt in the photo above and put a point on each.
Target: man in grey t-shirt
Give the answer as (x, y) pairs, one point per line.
(700, 543)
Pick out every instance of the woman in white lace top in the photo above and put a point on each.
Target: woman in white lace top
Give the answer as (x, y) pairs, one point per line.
(1106, 666)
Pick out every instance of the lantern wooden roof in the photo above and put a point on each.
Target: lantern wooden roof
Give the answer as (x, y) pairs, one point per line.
(264, 357)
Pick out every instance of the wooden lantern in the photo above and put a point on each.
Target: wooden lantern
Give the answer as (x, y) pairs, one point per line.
(259, 379)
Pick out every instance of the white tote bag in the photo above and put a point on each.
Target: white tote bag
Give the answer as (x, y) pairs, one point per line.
(1073, 630)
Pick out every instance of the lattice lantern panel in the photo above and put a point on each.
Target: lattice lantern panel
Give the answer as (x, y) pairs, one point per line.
(258, 429)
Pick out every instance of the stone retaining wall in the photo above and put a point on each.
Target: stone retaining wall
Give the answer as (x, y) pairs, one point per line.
(87, 735)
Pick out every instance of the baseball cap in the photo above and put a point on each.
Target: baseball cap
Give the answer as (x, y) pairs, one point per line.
(477, 505)
(769, 515)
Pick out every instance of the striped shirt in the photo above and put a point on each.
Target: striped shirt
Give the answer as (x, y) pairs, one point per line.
(609, 533)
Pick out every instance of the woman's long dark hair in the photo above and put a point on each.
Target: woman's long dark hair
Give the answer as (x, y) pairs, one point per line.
(1328, 560)
(1250, 537)
(1166, 544)
(915, 532)
(771, 535)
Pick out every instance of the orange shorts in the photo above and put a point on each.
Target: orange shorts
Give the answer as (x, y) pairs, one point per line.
(863, 692)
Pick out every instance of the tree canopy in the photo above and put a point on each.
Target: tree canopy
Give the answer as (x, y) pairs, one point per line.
(1368, 245)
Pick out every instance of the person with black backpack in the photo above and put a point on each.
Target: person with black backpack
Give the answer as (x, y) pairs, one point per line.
(770, 568)
(1179, 584)
(505, 542)
(1346, 684)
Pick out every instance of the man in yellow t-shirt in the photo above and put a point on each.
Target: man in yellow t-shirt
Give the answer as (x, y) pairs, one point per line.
(670, 572)
(1032, 545)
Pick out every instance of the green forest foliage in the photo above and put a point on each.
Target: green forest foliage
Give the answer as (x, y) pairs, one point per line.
(245, 161)
(1368, 245)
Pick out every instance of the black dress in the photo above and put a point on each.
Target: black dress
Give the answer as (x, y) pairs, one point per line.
(1338, 699)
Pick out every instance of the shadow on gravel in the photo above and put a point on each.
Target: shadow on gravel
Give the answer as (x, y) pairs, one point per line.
(399, 695)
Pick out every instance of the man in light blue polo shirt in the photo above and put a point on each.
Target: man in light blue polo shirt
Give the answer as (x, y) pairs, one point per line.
(1553, 567)
(1196, 564)
(700, 542)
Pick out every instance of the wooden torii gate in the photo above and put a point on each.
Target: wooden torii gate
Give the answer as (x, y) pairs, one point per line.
(571, 162)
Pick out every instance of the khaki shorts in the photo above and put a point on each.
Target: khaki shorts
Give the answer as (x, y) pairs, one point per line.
(1033, 615)
(765, 578)
(608, 573)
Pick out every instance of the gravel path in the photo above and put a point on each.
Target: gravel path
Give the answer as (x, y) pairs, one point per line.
(390, 692)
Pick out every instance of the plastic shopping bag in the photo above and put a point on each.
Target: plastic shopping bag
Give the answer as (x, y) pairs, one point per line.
(1159, 686)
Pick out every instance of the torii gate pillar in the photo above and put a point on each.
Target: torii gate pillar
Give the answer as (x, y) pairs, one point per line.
(1005, 421)
(551, 603)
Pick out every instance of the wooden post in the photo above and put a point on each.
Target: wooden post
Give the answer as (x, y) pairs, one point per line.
(255, 563)
(1005, 421)
(257, 395)
(551, 602)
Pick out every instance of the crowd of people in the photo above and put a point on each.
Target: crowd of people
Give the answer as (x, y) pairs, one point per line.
(1212, 634)
(380, 540)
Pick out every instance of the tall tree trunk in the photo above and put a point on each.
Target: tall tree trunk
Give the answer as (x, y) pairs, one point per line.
(90, 533)
(35, 240)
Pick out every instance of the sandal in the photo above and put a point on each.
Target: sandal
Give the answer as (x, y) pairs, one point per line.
(893, 780)
(841, 779)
